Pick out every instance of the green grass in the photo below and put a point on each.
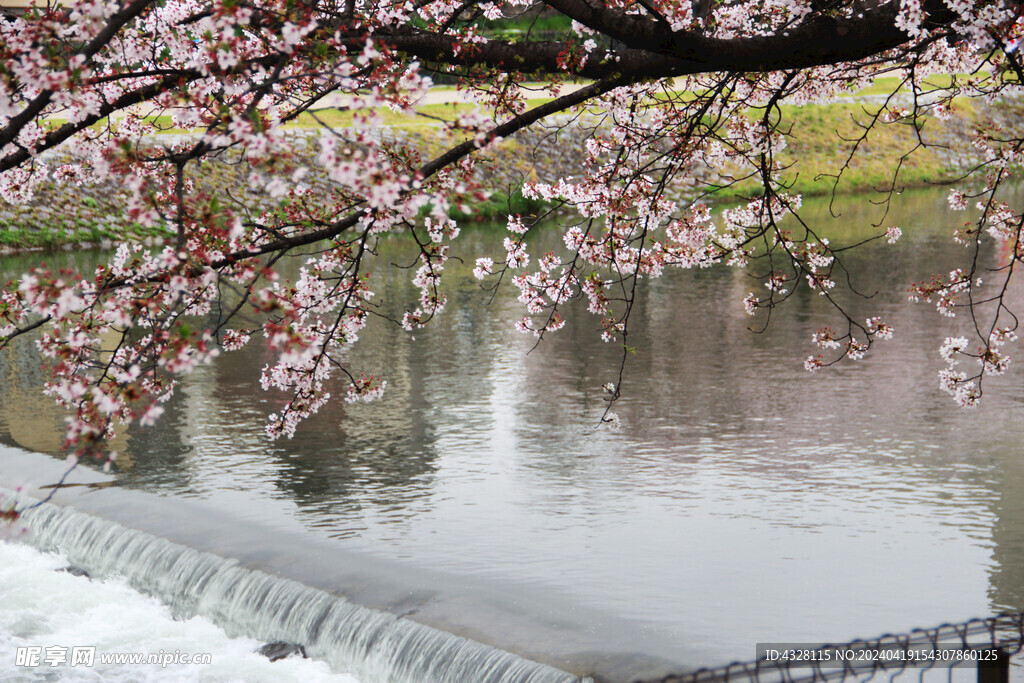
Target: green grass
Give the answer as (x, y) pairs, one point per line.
(816, 150)
(427, 115)
(528, 22)
(884, 85)
(66, 233)
(822, 137)
(498, 205)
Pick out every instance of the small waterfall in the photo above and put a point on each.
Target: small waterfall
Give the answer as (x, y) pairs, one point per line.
(374, 645)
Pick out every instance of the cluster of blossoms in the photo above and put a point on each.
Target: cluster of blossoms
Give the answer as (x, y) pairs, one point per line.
(847, 345)
(235, 74)
(945, 290)
(1001, 223)
(116, 341)
(966, 390)
(112, 358)
(309, 324)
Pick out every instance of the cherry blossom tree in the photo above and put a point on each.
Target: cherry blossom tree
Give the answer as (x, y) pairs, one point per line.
(665, 89)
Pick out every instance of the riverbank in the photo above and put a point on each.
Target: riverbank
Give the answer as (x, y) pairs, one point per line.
(64, 215)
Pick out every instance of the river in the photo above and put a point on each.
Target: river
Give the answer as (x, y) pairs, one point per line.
(742, 500)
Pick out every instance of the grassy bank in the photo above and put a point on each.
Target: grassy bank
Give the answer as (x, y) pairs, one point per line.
(817, 149)
(817, 156)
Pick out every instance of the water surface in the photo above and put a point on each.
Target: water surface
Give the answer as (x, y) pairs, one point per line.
(743, 500)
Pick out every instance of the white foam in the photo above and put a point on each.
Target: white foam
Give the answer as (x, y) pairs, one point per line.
(42, 607)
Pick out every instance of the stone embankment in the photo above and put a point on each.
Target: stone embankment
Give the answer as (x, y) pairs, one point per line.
(63, 214)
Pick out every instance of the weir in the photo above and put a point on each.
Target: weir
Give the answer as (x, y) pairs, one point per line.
(372, 644)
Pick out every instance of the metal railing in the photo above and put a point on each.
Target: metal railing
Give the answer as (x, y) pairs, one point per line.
(986, 645)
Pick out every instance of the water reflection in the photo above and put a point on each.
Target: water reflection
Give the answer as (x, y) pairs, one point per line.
(742, 501)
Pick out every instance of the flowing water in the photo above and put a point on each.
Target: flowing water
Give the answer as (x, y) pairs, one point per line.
(742, 500)
(349, 637)
(57, 611)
